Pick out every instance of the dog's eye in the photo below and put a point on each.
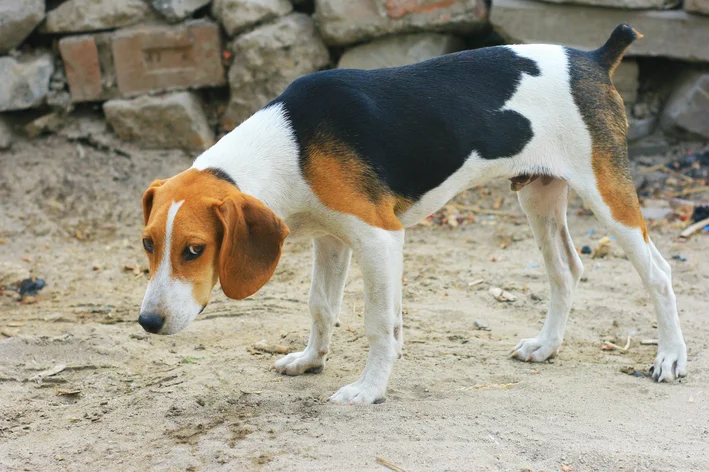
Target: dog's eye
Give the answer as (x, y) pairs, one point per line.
(192, 252)
(148, 244)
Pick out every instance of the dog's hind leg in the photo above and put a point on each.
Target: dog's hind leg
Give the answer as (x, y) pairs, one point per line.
(544, 202)
(331, 262)
(612, 197)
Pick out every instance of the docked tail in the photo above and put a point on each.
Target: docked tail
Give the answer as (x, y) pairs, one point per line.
(610, 54)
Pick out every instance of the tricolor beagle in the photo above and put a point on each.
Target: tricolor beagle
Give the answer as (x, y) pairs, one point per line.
(350, 158)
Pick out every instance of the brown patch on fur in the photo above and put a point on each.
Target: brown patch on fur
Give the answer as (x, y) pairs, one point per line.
(343, 182)
(604, 114)
(198, 223)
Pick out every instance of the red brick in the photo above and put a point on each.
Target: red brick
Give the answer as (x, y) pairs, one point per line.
(153, 58)
(83, 71)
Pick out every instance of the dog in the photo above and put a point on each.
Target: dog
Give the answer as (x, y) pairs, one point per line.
(350, 158)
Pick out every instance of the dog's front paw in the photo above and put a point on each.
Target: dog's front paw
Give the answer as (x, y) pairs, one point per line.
(670, 363)
(535, 349)
(358, 393)
(297, 363)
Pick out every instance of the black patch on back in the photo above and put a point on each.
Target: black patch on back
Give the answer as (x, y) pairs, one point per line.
(220, 174)
(415, 125)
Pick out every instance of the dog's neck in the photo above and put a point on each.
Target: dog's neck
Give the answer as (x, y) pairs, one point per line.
(261, 158)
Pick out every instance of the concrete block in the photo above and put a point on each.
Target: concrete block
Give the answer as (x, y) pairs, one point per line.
(687, 109)
(343, 22)
(17, 20)
(175, 120)
(25, 81)
(669, 33)
(397, 51)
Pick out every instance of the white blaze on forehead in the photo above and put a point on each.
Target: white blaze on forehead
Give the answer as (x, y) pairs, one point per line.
(167, 297)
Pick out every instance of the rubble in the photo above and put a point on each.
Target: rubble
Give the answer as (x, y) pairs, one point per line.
(687, 109)
(25, 81)
(267, 59)
(396, 51)
(17, 20)
(153, 58)
(341, 23)
(670, 33)
(239, 15)
(75, 16)
(177, 10)
(175, 120)
(697, 6)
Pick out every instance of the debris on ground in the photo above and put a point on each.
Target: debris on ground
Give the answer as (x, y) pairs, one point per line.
(603, 248)
(31, 286)
(649, 342)
(586, 250)
(480, 325)
(609, 346)
(630, 370)
(680, 258)
(502, 295)
(263, 346)
(389, 464)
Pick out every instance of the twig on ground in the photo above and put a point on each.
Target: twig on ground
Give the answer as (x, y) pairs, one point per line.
(390, 465)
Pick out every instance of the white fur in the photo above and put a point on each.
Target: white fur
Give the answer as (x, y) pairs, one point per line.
(167, 295)
(261, 155)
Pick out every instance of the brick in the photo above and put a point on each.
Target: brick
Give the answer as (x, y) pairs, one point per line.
(697, 6)
(670, 33)
(154, 58)
(400, 50)
(83, 71)
(345, 22)
(174, 120)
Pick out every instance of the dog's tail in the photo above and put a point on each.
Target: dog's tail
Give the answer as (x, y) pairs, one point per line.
(610, 54)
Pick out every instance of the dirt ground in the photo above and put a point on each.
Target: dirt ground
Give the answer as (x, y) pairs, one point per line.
(84, 388)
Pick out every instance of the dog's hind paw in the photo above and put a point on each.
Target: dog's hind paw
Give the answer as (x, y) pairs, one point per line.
(535, 350)
(670, 363)
(297, 363)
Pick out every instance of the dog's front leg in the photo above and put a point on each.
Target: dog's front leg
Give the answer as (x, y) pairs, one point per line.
(381, 259)
(331, 262)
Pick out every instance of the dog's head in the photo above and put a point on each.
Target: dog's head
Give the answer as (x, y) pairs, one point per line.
(199, 228)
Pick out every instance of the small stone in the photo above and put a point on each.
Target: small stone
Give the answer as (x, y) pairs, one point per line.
(267, 60)
(176, 10)
(641, 128)
(18, 18)
(25, 81)
(586, 250)
(50, 123)
(174, 120)
(238, 15)
(92, 15)
(397, 51)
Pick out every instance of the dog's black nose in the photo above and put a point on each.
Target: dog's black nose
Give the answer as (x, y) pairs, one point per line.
(150, 322)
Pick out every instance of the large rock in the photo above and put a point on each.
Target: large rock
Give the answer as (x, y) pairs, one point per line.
(25, 82)
(397, 51)
(697, 6)
(92, 15)
(17, 20)
(687, 109)
(267, 60)
(344, 22)
(175, 120)
(238, 15)
(177, 10)
(627, 4)
(6, 134)
(671, 33)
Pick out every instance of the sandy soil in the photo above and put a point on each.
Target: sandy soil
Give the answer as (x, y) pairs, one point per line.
(201, 400)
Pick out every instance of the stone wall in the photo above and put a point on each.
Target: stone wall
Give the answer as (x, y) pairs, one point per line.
(152, 63)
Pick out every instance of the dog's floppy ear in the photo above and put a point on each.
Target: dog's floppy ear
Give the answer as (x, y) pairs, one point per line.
(148, 199)
(251, 245)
